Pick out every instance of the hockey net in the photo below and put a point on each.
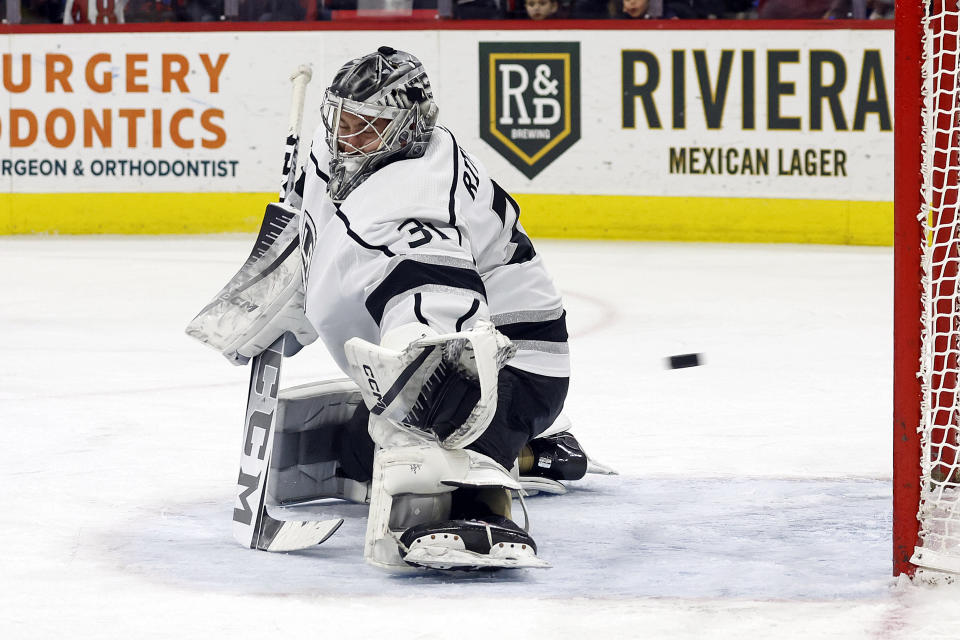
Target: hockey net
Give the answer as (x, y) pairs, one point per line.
(926, 463)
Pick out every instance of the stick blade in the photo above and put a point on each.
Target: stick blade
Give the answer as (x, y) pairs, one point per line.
(294, 535)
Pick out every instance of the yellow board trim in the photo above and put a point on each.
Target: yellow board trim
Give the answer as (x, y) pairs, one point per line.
(544, 215)
(707, 219)
(131, 213)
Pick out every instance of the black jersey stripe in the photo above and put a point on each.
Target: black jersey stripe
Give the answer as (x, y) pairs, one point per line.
(523, 251)
(410, 274)
(418, 308)
(500, 200)
(298, 186)
(466, 316)
(356, 238)
(451, 204)
(546, 331)
(316, 167)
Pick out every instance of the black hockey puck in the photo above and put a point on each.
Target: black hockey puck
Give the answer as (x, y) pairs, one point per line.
(684, 360)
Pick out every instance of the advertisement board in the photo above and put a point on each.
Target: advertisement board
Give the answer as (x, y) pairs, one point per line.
(752, 134)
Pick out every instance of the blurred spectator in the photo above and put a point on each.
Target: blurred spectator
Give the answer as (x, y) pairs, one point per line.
(94, 11)
(694, 9)
(541, 9)
(862, 9)
(636, 9)
(174, 10)
(666, 9)
(150, 11)
(282, 10)
(199, 10)
(336, 5)
(794, 9)
(39, 11)
(595, 9)
(478, 9)
(740, 9)
(514, 9)
(880, 10)
(75, 12)
(12, 12)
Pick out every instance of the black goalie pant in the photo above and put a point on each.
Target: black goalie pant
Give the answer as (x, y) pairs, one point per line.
(527, 404)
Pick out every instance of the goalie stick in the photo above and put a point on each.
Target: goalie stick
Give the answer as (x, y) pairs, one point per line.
(253, 527)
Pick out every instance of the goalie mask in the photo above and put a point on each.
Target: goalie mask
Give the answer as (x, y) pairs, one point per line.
(378, 109)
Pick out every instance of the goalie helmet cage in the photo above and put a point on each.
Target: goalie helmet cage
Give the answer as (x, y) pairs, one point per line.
(926, 467)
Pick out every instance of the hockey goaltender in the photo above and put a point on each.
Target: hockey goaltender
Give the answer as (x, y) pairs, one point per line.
(415, 272)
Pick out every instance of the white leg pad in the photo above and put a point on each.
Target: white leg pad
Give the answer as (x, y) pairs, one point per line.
(419, 478)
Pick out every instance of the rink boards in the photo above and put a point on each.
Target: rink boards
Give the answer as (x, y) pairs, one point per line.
(671, 131)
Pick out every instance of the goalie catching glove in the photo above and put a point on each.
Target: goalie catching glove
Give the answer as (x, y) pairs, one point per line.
(436, 387)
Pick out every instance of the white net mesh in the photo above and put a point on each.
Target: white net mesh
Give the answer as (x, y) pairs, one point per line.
(939, 512)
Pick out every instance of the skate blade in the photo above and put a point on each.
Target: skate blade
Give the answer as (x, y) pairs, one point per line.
(595, 467)
(445, 558)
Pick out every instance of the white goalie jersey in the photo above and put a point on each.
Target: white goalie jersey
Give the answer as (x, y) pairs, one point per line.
(432, 240)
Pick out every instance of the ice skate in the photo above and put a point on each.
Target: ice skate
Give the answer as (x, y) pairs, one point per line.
(486, 541)
(553, 456)
(470, 545)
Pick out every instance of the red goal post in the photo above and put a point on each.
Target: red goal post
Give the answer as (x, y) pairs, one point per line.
(926, 467)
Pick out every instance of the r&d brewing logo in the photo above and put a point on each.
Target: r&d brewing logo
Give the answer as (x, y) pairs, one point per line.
(530, 100)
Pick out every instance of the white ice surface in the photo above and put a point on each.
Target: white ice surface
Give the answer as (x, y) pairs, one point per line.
(754, 499)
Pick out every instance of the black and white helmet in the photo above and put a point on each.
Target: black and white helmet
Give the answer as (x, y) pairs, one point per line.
(389, 95)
